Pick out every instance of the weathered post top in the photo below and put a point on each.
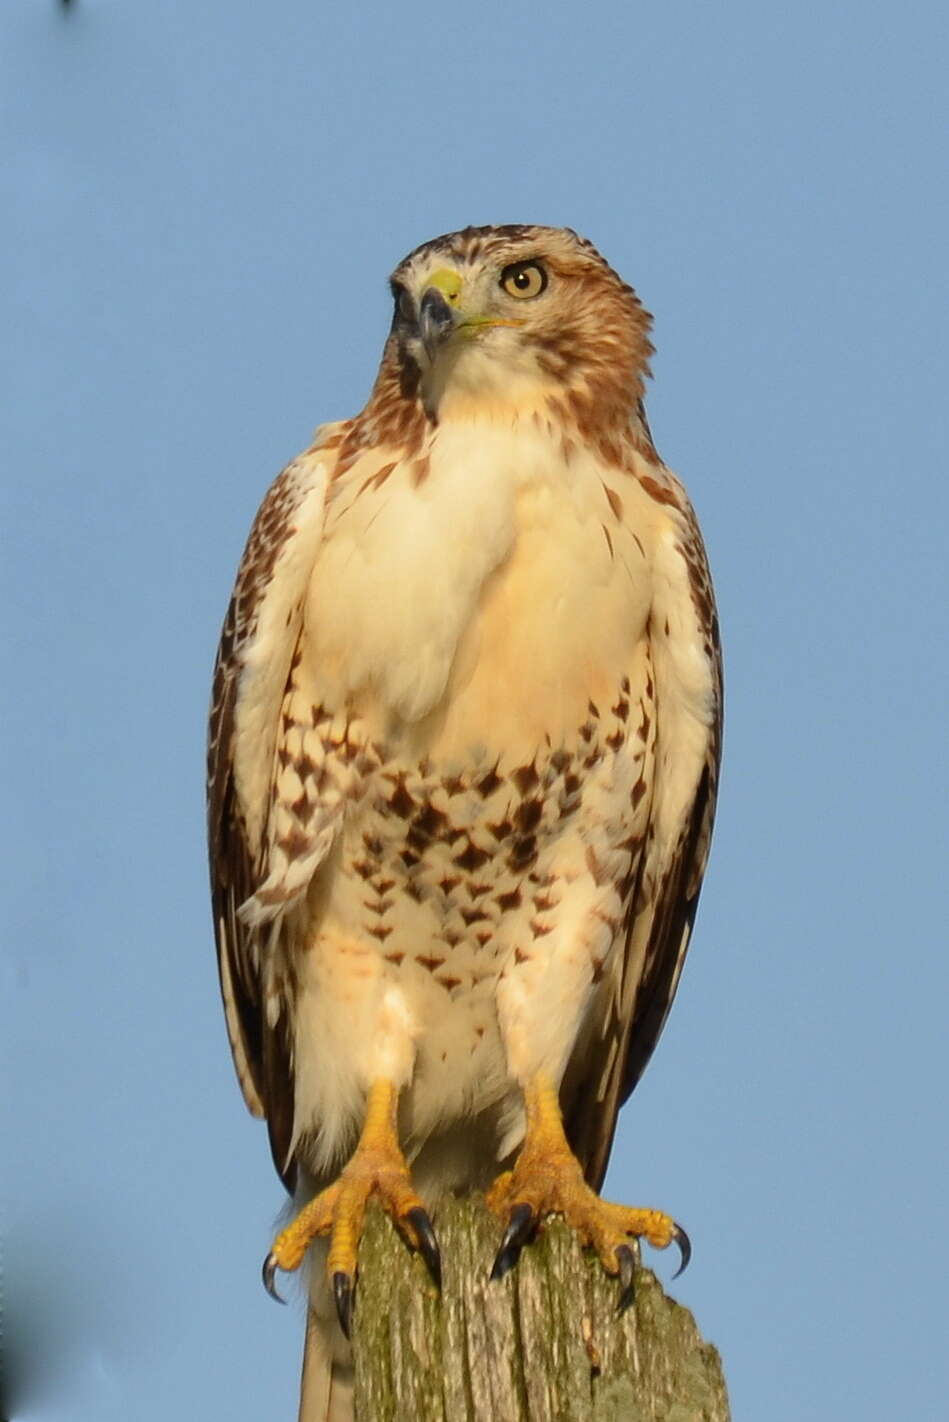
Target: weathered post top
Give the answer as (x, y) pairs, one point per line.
(545, 1344)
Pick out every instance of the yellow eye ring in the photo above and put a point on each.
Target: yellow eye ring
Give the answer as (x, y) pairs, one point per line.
(524, 280)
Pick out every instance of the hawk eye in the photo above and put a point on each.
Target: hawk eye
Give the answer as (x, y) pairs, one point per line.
(524, 279)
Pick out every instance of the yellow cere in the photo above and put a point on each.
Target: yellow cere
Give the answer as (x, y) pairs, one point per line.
(447, 282)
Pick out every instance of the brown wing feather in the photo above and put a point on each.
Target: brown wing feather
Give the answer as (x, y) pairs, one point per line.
(261, 1050)
(232, 876)
(626, 1041)
(261, 1053)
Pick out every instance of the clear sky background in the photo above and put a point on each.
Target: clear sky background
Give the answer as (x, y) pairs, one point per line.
(199, 206)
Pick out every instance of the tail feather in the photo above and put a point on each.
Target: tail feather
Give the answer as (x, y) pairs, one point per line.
(326, 1385)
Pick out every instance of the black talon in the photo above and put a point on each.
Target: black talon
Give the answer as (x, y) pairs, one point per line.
(685, 1248)
(628, 1259)
(343, 1294)
(427, 1242)
(269, 1273)
(519, 1230)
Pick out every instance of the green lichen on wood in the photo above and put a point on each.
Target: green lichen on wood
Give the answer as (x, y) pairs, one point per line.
(544, 1344)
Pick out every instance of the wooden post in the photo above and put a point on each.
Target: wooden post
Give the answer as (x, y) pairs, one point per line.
(544, 1344)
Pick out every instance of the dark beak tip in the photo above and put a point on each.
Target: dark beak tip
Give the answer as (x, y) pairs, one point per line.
(434, 307)
(435, 320)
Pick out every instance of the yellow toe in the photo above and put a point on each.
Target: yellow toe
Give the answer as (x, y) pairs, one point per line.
(547, 1178)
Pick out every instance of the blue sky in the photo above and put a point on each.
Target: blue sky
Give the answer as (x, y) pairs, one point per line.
(200, 207)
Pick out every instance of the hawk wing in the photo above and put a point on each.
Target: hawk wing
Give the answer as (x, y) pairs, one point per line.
(258, 640)
(686, 660)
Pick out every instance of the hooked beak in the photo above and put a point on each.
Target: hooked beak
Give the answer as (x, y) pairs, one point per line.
(436, 321)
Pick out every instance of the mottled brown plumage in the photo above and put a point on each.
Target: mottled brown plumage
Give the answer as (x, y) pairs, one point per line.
(465, 737)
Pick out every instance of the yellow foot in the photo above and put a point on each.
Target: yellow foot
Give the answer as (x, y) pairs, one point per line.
(547, 1179)
(378, 1168)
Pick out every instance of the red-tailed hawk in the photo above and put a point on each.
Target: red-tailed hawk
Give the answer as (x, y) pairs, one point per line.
(463, 759)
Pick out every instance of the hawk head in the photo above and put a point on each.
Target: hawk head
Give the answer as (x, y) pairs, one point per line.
(512, 320)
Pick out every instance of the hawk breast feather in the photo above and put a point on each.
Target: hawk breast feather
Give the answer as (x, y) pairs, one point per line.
(260, 635)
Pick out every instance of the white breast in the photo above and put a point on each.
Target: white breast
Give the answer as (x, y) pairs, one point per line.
(493, 578)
